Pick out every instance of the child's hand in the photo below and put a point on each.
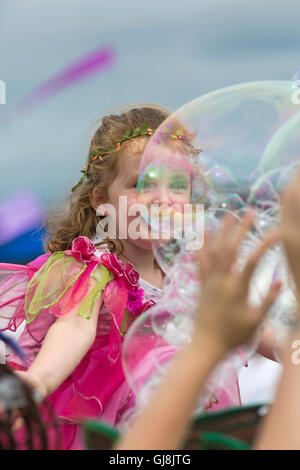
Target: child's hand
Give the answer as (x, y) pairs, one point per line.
(34, 382)
(225, 316)
(290, 227)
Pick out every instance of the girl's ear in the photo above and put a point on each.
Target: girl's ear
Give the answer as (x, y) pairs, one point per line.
(96, 198)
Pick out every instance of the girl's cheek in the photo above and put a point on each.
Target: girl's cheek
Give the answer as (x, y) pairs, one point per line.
(135, 198)
(181, 199)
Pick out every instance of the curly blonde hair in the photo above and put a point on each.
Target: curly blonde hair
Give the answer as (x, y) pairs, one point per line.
(78, 217)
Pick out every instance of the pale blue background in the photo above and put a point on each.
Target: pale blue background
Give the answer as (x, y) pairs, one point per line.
(168, 52)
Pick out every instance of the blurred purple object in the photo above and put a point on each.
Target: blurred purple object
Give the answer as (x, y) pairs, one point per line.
(12, 344)
(296, 76)
(19, 213)
(91, 63)
(87, 65)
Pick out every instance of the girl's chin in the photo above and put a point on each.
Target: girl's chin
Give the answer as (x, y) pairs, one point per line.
(147, 236)
(141, 243)
(147, 244)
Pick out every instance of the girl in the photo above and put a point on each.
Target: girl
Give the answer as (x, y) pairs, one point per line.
(79, 298)
(78, 301)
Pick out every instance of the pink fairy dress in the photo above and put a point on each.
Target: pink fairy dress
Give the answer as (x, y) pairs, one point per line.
(50, 287)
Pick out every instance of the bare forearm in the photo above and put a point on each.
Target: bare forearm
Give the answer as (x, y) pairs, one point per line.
(280, 430)
(167, 416)
(66, 343)
(63, 348)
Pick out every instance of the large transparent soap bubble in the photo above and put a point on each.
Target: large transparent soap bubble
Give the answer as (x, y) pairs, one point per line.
(281, 157)
(219, 153)
(151, 345)
(210, 152)
(169, 178)
(278, 165)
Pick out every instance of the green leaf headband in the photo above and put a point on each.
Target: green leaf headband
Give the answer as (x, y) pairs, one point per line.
(137, 132)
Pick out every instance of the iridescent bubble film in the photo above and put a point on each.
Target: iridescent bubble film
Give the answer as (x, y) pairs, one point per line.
(152, 344)
(224, 152)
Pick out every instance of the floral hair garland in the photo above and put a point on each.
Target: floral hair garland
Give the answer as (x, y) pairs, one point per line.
(137, 132)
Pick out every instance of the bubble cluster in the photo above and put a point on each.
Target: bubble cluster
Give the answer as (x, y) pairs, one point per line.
(223, 152)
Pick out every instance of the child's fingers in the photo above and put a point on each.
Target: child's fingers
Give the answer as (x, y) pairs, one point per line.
(203, 258)
(267, 303)
(207, 239)
(237, 236)
(220, 252)
(244, 228)
(38, 389)
(218, 246)
(293, 185)
(205, 266)
(270, 297)
(225, 231)
(253, 260)
(291, 194)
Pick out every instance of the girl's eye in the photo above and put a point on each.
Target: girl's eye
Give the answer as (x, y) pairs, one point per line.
(133, 184)
(144, 185)
(179, 185)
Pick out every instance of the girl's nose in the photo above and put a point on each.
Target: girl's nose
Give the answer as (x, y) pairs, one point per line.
(162, 196)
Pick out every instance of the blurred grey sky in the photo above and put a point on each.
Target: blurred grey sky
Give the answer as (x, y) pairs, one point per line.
(169, 52)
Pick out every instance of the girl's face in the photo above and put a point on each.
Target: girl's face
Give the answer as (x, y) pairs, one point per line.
(164, 183)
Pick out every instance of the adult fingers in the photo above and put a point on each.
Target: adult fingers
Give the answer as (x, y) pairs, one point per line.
(225, 232)
(291, 194)
(238, 235)
(270, 297)
(219, 247)
(247, 223)
(253, 260)
(203, 257)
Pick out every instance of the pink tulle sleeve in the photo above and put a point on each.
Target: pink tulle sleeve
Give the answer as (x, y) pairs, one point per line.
(12, 291)
(64, 283)
(54, 283)
(14, 280)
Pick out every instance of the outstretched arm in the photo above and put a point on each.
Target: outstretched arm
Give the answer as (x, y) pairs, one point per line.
(164, 423)
(66, 343)
(280, 428)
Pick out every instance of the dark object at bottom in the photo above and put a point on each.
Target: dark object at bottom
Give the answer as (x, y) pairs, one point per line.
(230, 429)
